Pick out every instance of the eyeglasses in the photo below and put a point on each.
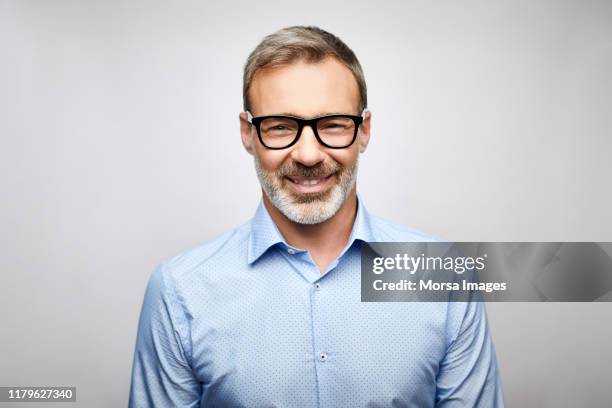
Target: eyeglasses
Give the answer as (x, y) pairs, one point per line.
(280, 132)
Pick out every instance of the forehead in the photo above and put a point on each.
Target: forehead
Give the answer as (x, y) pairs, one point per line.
(305, 89)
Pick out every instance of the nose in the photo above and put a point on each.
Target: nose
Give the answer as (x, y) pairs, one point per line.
(307, 150)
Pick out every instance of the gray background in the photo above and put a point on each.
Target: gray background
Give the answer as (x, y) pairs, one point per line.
(120, 147)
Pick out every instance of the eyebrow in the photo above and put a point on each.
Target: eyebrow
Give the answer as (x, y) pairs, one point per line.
(315, 116)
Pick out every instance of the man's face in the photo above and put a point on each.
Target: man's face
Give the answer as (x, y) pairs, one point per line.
(307, 182)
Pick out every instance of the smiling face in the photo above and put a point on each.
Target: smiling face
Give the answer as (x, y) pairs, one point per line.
(307, 182)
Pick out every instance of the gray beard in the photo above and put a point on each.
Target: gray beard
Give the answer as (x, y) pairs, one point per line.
(307, 208)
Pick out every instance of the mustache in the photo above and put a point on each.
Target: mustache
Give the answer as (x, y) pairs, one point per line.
(318, 170)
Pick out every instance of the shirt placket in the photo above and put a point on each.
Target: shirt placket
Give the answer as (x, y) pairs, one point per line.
(322, 352)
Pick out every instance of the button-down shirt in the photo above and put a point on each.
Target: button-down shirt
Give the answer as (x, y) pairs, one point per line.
(246, 320)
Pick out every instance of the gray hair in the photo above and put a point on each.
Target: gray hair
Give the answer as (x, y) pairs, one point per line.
(308, 43)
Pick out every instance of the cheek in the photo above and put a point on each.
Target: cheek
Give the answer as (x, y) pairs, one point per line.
(346, 157)
(271, 160)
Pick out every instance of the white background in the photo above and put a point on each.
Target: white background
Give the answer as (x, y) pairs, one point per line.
(119, 147)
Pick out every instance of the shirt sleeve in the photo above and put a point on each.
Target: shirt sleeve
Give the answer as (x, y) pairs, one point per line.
(468, 375)
(161, 370)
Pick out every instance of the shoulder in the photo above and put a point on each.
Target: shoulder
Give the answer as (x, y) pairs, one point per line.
(205, 257)
(388, 231)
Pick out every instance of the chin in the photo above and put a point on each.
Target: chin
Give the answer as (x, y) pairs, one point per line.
(310, 208)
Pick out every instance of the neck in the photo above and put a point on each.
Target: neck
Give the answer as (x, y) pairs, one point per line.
(324, 241)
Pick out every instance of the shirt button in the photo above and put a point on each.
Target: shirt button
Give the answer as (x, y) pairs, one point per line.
(290, 251)
(323, 357)
(317, 286)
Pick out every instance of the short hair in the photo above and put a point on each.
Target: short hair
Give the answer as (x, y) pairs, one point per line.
(308, 43)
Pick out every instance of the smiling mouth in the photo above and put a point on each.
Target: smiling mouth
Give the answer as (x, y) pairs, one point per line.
(308, 181)
(309, 184)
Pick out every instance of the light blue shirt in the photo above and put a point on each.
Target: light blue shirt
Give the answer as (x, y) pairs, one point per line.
(246, 320)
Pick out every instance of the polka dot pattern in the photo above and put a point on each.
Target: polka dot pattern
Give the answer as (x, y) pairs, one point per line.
(245, 320)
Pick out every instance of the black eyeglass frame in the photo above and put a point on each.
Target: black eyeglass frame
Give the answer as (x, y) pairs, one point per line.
(256, 121)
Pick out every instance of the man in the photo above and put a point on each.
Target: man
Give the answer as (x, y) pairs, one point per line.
(269, 315)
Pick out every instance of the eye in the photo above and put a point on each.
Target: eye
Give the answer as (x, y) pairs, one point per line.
(335, 123)
(278, 126)
(334, 126)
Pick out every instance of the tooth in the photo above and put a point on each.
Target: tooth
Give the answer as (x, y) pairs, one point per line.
(308, 182)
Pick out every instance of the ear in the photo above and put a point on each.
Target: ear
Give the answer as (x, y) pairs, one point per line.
(245, 133)
(364, 132)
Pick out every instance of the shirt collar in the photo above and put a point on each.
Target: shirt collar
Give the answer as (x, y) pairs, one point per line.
(265, 234)
(362, 228)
